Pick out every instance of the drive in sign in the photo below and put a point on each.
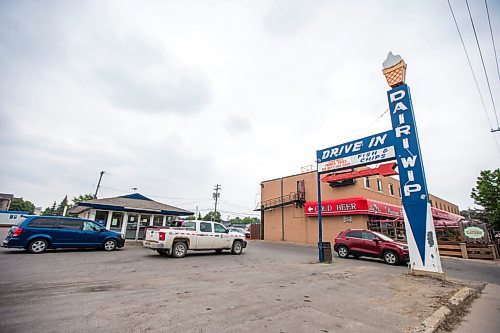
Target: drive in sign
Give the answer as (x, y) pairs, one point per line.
(372, 149)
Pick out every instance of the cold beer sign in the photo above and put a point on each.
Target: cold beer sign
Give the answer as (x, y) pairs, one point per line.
(401, 143)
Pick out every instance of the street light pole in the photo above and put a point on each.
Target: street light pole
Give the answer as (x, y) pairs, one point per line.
(320, 219)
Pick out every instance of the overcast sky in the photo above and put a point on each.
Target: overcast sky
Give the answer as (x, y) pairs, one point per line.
(173, 97)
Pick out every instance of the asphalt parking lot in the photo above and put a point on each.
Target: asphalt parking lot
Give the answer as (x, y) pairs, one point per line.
(271, 287)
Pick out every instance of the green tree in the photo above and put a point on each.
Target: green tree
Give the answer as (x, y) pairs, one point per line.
(487, 194)
(474, 214)
(235, 220)
(209, 215)
(60, 208)
(247, 220)
(82, 197)
(50, 210)
(20, 205)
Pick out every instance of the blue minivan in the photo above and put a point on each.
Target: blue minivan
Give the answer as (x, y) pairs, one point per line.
(39, 233)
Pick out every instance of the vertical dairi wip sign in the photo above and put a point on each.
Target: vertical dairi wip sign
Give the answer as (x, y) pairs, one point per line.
(419, 225)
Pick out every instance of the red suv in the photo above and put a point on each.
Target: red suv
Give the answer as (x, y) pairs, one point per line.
(358, 242)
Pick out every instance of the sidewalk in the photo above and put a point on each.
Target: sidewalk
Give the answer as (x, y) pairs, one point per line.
(484, 316)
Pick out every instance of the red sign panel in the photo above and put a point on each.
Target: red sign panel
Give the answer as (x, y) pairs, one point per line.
(362, 206)
(353, 206)
(383, 170)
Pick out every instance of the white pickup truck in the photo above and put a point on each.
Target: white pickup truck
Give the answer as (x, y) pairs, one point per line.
(194, 235)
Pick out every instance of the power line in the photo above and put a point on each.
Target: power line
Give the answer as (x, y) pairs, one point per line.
(482, 62)
(235, 205)
(376, 119)
(473, 75)
(158, 196)
(470, 65)
(492, 39)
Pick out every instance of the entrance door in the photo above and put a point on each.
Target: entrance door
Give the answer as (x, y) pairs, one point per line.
(116, 222)
(131, 230)
(144, 222)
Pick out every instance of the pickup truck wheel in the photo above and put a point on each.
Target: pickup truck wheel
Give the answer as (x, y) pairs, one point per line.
(237, 247)
(179, 250)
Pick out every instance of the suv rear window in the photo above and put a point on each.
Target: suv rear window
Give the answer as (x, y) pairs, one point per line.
(354, 234)
(43, 223)
(368, 235)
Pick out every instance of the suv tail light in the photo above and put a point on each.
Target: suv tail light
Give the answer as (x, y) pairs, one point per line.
(17, 232)
(161, 235)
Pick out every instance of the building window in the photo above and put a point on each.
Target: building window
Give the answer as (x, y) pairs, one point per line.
(367, 182)
(158, 220)
(430, 201)
(101, 217)
(399, 192)
(379, 185)
(391, 189)
(116, 221)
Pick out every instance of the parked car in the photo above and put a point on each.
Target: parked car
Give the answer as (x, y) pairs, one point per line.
(194, 235)
(39, 233)
(240, 230)
(359, 243)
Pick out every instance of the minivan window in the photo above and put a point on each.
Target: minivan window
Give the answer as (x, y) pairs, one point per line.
(354, 234)
(70, 224)
(43, 223)
(90, 226)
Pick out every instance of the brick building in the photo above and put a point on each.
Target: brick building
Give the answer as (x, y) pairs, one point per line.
(289, 208)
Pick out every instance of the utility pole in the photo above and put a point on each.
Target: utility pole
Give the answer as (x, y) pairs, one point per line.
(98, 184)
(216, 196)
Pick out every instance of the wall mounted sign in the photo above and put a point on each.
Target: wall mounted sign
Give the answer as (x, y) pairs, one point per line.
(353, 206)
(372, 149)
(474, 232)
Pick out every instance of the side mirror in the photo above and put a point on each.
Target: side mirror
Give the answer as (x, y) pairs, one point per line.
(227, 231)
(376, 240)
(102, 230)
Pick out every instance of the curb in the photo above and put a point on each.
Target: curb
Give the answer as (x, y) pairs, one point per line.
(431, 324)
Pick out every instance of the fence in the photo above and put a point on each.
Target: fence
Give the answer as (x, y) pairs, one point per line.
(468, 250)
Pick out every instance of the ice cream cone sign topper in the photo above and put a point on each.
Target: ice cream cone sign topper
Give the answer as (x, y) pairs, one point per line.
(394, 70)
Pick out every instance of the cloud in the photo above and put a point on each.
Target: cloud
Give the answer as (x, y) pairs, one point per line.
(237, 124)
(139, 73)
(288, 17)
